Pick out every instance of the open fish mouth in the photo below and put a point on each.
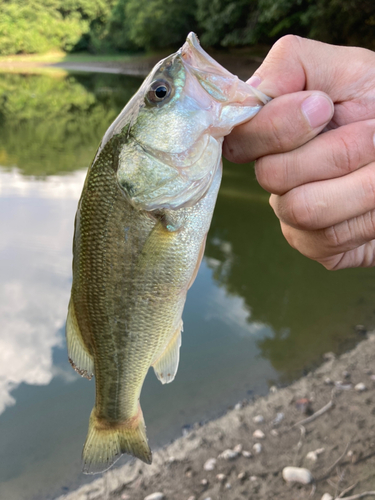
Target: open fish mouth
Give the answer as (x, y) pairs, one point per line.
(176, 125)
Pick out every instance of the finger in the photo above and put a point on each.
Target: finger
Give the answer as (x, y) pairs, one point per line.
(325, 203)
(348, 244)
(296, 63)
(330, 155)
(284, 124)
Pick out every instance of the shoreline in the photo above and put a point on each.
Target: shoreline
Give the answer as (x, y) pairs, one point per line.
(339, 438)
(241, 65)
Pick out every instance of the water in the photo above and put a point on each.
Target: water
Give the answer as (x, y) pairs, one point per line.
(258, 313)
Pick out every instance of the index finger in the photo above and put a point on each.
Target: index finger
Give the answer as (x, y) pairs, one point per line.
(296, 63)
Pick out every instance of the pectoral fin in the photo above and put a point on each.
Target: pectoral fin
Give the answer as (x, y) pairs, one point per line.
(79, 356)
(166, 365)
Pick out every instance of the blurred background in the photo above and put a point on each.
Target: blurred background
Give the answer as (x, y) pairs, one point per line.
(259, 314)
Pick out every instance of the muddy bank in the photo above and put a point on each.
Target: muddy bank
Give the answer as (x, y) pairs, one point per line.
(239, 64)
(243, 66)
(330, 412)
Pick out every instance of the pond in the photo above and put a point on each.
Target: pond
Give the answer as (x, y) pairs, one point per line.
(258, 313)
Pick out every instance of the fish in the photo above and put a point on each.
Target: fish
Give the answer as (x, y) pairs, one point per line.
(140, 234)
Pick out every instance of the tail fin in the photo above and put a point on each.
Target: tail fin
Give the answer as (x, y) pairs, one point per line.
(105, 443)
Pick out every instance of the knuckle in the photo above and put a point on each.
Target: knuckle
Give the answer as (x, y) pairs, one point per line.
(285, 45)
(346, 156)
(296, 210)
(271, 173)
(337, 235)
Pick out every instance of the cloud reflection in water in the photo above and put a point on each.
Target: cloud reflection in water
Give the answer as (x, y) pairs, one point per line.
(35, 270)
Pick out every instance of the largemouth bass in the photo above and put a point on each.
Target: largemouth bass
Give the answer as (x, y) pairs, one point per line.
(140, 234)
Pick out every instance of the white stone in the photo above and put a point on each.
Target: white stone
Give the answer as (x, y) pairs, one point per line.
(247, 454)
(313, 455)
(192, 497)
(297, 475)
(360, 387)
(273, 389)
(228, 486)
(253, 478)
(228, 454)
(155, 496)
(257, 448)
(204, 482)
(258, 434)
(210, 464)
(238, 448)
(279, 417)
(238, 406)
(274, 433)
(258, 419)
(242, 476)
(221, 477)
(327, 496)
(328, 381)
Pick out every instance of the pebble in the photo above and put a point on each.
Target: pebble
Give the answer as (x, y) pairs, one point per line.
(258, 434)
(247, 454)
(279, 417)
(360, 387)
(242, 476)
(342, 387)
(208, 498)
(258, 419)
(257, 448)
(125, 496)
(192, 497)
(297, 475)
(228, 486)
(155, 496)
(253, 478)
(313, 455)
(238, 406)
(229, 454)
(171, 460)
(221, 477)
(238, 448)
(372, 377)
(327, 496)
(274, 433)
(328, 381)
(329, 356)
(273, 389)
(204, 482)
(210, 464)
(304, 406)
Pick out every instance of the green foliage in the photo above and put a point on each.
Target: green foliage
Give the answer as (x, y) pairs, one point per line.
(53, 125)
(346, 22)
(32, 26)
(228, 22)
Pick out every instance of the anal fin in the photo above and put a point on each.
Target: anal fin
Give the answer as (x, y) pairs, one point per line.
(79, 356)
(166, 365)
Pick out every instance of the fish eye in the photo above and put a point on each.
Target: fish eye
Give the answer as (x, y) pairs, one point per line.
(159, 91)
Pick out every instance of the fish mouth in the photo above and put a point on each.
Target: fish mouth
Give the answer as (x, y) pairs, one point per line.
(219, 83)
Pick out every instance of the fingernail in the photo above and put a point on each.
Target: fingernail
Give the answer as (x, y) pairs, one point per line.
(254, 81)
(317, 109)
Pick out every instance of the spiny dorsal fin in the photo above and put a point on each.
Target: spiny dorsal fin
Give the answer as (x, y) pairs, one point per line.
(166, 365)
(79, 357)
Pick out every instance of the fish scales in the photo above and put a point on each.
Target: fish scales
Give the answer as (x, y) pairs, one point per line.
(140, 233)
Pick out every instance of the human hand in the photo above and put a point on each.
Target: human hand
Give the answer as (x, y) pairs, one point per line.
(323, 186)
